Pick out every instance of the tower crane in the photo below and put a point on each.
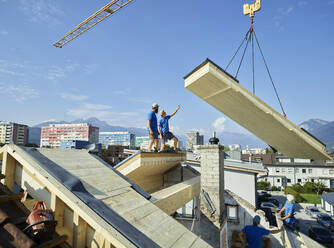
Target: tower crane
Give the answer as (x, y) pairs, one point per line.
(91, 21)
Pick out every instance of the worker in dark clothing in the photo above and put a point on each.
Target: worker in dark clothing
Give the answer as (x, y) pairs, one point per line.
(254, 234)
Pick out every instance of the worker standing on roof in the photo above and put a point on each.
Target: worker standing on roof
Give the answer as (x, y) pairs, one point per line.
(254, 234)
(289, 212)
(163, 128)
(152, 125)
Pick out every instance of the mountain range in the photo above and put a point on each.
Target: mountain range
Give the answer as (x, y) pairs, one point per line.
(321, 129)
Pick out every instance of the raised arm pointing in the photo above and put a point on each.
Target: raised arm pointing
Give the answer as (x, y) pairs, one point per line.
(177, 109)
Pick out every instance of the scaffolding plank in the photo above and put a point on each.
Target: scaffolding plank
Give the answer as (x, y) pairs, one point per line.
(216, 87)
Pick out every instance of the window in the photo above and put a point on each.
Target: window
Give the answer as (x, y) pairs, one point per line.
(309, 171)
(312, 180)
(232, 212)
(277, 170)
(283, 170)
(325, 171)
(284, 160)
(299, 180)
(289, 180)
(290, 170)
(278, 180)
(331, 172)
(303, 170)
(299, 160)
(297, 170)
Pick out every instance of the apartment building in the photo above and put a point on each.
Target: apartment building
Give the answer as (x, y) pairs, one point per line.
(13, 133)
(118, 138)
(142, 139)
(54, 134)
(284, 171)
(193, 138)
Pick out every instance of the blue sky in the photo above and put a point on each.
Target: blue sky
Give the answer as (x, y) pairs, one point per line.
(141, 54)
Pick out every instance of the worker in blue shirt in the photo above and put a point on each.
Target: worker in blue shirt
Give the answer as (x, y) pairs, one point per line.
(163, 128)
(152, 125)
(254, 234)
(289, 212)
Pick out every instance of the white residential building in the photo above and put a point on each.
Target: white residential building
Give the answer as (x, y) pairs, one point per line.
(288, 171)
(256, 150)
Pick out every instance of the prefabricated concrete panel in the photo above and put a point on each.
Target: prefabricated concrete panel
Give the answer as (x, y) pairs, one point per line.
(213, 85)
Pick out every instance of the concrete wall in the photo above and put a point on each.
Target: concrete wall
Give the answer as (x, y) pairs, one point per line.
(212, 186)
(242, 184)
(212, 176)
(246, 212)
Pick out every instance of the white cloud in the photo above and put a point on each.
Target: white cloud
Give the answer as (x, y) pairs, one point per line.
(41, 11)
(73, 97)
(55, 72)
(10, 68)
(144, 100)
(90, 110)
(285, 11)
(281, 14)
(3, 32)
(51, 120)
(89, 69)
(97, 106)
(18, 92)
(219, 124)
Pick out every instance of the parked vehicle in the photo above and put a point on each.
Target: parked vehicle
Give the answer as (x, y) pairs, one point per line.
(321, 235)
(326, 221)
(264, 193)
(274, 201)
(270, 205)
(312, 211)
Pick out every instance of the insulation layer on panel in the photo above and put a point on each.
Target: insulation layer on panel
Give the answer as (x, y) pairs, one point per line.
(213, 85)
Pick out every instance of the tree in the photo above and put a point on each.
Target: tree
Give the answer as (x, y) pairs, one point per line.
(270, 150)
(309, 187)
(298, 188)
(262, 185)
(319, 187)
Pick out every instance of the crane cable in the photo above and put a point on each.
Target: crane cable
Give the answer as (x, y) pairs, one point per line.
(249, 37)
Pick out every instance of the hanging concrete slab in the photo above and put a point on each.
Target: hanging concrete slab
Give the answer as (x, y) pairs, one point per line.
(213, 85)
(176, 196)
(146, 168)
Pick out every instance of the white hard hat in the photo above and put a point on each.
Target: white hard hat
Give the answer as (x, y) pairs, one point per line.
(290, 198)
(155, 105)
(162, 111)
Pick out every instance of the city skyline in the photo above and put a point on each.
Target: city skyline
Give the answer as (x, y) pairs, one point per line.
(82, 80)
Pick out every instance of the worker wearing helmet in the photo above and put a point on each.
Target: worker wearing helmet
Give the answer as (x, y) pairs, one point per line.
(152, 125)
(289, 212)
(254, 234)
